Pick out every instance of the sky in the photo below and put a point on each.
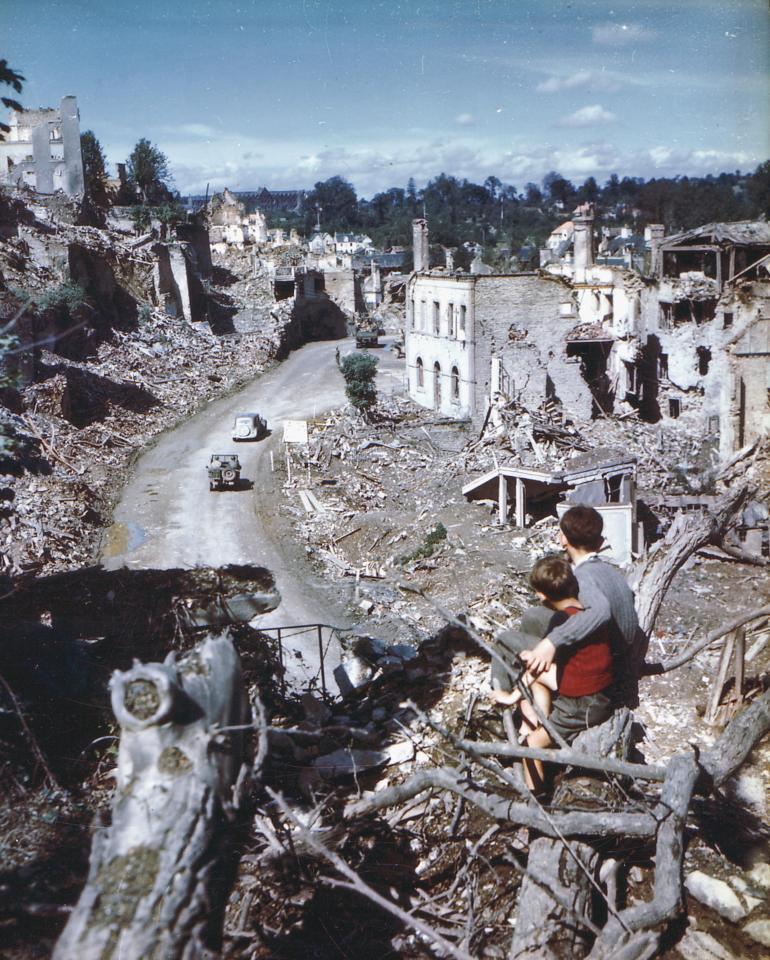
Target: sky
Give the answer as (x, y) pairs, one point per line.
(283, 93)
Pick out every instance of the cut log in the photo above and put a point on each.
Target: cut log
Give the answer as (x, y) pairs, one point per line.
(545, 930)
(150, 889)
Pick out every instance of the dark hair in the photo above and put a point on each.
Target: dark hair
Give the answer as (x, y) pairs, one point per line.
(582, 526)
(553, 576)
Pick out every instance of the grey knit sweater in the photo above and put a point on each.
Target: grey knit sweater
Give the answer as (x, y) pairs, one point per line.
(608, 601)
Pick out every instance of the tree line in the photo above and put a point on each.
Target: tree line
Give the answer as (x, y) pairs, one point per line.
(494, 212)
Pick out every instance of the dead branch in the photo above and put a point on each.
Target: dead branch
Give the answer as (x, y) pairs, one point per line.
(687, 534)
(31, 738)
(571, 824)
(631, 931)
(691, 651)
(356, 884)
(737, 740)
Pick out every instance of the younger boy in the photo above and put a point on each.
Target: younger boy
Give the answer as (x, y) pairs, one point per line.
(582, 677)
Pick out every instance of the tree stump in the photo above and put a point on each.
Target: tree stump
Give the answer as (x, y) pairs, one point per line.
(545, 930)
(150, 890)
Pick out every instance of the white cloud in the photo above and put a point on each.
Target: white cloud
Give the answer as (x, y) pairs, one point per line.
(465, 120)
(373, 166)
(591, 116)
(621, 34)
(606, 82)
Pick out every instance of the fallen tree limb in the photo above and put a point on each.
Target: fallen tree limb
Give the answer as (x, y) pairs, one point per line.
(359, 886)
(631, 932)
(653, 669)
(687, 534)
(571, 824)
(737, 740)
(151, 889)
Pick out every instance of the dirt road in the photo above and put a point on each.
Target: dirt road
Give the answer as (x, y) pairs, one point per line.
(168, 518)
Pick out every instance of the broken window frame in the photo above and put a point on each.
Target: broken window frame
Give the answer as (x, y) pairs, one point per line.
(454, 393)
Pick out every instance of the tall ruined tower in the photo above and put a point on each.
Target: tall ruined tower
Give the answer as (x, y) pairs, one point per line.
(657, 232)
(583, 243)
(420, 245)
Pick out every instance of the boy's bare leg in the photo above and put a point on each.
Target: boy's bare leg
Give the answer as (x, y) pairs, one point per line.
(542, 697)
(534, 773)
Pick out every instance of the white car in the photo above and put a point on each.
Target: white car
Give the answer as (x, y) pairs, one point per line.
(249, 426)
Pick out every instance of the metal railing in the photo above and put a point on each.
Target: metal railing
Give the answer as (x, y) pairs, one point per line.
(324, 634)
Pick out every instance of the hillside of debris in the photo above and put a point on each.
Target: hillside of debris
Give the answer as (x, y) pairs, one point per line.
(102, 358)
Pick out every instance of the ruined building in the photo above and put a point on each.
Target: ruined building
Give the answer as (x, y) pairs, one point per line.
(688, 339)
(471, 336)
(42, 150)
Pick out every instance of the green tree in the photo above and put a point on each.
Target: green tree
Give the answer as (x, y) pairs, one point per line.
(94, 168)
(336, 201)
(10, 78)
(758, 190)
(359, 371)
(147, 169)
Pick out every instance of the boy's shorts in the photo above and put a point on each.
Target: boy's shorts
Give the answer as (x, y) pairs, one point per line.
(572, 715)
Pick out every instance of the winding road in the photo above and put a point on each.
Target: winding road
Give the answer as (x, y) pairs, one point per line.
(167, 517)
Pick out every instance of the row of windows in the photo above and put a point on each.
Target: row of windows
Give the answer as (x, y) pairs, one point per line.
(454, 380)
(454, 318)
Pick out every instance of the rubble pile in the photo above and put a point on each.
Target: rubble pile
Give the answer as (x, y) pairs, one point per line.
(76, 422)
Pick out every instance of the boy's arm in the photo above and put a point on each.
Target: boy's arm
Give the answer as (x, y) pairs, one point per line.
(595, 615)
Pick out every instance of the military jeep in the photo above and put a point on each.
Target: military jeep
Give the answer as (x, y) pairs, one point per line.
(366, 337)
(224, 470)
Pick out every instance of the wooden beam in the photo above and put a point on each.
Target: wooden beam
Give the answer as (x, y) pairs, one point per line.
(521, 502)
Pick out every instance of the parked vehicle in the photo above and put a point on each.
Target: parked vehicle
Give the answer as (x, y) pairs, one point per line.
(224, 470)
(366, 337)
(249, 426)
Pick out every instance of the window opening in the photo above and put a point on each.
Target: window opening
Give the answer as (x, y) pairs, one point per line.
(704, 359)
(462, 318)
(674, 407)
(455, 384)
(420, 374)
(437, 385)
(436, 318)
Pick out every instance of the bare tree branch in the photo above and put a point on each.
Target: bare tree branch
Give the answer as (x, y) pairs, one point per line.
(359, 886)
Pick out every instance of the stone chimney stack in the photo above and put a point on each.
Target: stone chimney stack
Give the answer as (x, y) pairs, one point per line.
(420, 245)
(583, 243)
(657, 232)
(449, 259)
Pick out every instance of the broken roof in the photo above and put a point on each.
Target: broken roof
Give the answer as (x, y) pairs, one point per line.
(600, 462)
(744, 232)
(588, 331)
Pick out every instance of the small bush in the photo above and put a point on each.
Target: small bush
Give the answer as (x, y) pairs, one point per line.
(66, 298)
(428, 547)
(359, 370)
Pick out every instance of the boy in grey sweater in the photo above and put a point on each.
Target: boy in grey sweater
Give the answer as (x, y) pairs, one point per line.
(608, 601)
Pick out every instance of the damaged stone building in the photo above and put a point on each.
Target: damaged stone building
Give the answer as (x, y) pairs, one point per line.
(471, 336)
(42, 150)
(687, 338)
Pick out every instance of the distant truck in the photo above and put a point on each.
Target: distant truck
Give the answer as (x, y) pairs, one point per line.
(224, 470)
(366, 337)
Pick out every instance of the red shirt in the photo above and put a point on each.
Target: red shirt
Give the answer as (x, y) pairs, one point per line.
(588, 666)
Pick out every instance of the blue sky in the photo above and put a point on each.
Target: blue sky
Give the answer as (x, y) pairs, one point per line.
(243, 93)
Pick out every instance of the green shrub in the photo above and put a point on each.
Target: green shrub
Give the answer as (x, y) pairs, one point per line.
(66, 298)
(359, 371)
(428, 547)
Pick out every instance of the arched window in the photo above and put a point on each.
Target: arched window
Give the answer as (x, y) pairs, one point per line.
(437, 385)
(420, 374)
(455, 381)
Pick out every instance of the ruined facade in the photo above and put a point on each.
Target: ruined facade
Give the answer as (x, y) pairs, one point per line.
(42, 150)
(469, 337)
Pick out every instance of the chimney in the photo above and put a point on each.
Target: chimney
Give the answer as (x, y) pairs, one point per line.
(583, 241)
(420, 245)
(657, 232)
(449, 259)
